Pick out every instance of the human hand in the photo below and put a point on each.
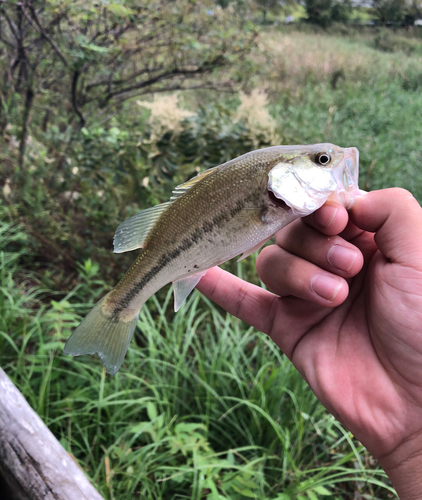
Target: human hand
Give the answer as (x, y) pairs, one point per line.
(348, 313)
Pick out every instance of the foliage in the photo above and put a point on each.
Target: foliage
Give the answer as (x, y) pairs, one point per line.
(100, 54)
(72, 203)
(326, 12)
(267, 6)
(397, 12)
(363, 106)
(387, 41)
(390, 11)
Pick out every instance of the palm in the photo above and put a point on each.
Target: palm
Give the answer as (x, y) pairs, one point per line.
(361, 352)
(356, 359)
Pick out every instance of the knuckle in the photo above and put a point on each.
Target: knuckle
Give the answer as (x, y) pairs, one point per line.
(238, 306)
(401, 193)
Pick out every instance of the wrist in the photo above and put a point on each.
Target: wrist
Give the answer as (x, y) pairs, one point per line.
(404, 468)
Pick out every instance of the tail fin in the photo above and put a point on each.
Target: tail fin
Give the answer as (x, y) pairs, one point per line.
(103, 334)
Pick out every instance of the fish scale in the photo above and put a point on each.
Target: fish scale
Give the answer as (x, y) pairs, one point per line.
(225, 211)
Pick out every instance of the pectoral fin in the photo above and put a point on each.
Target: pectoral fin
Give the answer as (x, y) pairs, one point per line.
(182, 288)
(252, 250)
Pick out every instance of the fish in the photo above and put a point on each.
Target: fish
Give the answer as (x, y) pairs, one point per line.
(229, 210)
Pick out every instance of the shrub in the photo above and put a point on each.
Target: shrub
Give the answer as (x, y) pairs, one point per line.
(387, 41)
(326, 12)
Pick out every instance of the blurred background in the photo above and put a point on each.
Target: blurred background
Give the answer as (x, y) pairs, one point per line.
(106, 106)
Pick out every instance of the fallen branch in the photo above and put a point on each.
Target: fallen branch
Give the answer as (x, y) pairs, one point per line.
(33, 464)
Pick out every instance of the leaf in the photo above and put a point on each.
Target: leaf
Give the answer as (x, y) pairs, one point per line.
(321, 490)
(95, 48)
(188, 428)
(143, 427)
(51, 346)
(119, 10)
(152, 411)
(311, 495)
(246, 492)
(245, 486)
(213, 495)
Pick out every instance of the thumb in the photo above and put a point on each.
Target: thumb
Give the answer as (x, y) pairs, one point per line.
(395, 217)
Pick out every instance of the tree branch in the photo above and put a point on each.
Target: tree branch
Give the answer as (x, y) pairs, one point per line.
(217, 86)
(164, 76)
(32, 462)
(75, 104)
(106, 81)
(37, 25)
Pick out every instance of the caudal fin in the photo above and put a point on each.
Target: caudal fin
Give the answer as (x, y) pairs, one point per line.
(103, 334)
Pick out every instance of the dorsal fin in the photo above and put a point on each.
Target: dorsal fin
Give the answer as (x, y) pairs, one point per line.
(182, 188)
(132, 233)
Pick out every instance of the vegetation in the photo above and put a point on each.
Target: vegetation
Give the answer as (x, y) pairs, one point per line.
(397, 11)
(326, 12)
(204, 406)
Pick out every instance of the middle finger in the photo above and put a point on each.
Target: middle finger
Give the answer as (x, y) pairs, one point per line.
(331, 253)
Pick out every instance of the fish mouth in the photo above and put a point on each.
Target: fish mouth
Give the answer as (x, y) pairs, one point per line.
(277, 201)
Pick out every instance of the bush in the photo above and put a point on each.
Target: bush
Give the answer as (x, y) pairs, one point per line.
(326, 12)
(387, 41)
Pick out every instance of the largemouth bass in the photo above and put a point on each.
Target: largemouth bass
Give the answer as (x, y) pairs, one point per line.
(223, 212)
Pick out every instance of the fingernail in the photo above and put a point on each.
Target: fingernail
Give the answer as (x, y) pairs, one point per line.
(341, 258)
(325, 217)
(361, 192)
(325, 286)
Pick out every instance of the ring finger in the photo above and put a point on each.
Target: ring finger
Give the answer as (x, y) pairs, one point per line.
(287, 274)
(331, 253)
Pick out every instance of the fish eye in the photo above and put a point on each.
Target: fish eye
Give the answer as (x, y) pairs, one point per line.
(322, 158)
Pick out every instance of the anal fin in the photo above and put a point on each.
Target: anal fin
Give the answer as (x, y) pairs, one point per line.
(182, 288)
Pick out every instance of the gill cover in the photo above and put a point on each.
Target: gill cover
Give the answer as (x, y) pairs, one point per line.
(305, 186)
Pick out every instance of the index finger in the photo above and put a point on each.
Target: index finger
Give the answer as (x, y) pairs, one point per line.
(250, 303)
(330, 219)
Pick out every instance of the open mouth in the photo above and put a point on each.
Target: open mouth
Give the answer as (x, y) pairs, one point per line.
(277, 201)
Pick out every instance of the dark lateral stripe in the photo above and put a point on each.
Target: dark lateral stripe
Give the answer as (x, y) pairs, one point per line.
(195, 237)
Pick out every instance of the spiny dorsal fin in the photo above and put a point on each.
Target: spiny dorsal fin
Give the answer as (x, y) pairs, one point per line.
(182, 188)
(132, 233)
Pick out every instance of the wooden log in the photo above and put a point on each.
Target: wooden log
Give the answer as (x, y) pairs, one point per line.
(33, 464)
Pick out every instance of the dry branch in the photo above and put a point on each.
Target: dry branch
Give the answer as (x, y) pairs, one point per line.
(33, 464)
